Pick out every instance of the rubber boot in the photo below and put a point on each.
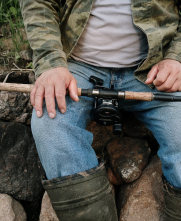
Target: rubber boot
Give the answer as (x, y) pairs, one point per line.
(172, 197)
(86, 196)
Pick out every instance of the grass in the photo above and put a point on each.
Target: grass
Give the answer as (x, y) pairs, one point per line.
(9, 11)
(12, 33)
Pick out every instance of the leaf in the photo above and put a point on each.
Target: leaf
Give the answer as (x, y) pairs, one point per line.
(13, 10)
(30, 65)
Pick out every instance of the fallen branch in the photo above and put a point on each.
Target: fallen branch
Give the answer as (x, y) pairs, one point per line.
(22, 70)
(7, 77)
(26, 88)
(17, 67)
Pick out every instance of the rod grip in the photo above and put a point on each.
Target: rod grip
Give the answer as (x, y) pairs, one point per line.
(143, 96)
(79, 92)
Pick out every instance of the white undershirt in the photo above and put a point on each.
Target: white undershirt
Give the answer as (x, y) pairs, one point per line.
(110, 38)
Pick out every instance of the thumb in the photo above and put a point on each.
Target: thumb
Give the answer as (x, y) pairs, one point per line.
(152, 75)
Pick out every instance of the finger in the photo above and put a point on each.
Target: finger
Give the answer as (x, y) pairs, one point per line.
(152, 75)
(161, 77)
(39, 96)
(32, 95)
(73, 90)
(176, 87)
(50, 100)
(168, 84)
(60, 92)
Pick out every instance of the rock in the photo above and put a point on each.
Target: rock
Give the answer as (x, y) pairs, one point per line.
(133, 127)
(31, 77)
(21, 170)
(10, 209)
(143, 199)
(128, 157)
(26, 54)
(113, 179)
(15, 106)
(47, 211)
(102, 135)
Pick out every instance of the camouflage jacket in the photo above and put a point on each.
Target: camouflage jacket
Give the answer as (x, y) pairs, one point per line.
(54, 27)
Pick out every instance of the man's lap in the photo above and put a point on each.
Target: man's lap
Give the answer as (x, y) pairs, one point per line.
(67, 131)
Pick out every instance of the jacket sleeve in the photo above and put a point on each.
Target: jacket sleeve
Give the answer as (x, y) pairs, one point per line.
(174, 50)
(41, 20)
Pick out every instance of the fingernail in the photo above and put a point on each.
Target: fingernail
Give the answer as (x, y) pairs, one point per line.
(38, 114)
(147, 80)
(76, 97)
(62, 111)
(51, 115)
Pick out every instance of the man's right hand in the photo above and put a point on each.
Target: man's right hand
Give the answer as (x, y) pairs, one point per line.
(50, 84)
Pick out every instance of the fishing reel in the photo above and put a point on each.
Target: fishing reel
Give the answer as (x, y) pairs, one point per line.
(105, 110)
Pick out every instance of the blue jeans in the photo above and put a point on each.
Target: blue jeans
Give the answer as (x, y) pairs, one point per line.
(64, 146)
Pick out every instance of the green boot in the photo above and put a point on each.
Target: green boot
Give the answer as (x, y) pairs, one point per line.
(172, 197)
(86, 196)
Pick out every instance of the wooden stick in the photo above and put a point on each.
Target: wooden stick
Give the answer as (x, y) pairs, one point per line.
(6, 77)
(17, 67)
(16, 87)
(13, 69)
(22, 88)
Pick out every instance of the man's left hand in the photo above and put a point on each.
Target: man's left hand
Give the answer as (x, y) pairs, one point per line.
(166, 76)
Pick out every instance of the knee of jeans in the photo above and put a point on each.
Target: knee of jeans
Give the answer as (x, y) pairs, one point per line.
(39, 125)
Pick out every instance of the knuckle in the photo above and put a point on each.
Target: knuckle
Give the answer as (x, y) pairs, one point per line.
(38, 95)
(167, 66)
(32, 93)
(50, 81)
(173, 89)
(166, 87)
(159, 80)
(48, 94)
(60, 95)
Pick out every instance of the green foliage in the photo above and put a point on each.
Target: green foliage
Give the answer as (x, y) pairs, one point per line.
(10, 10)
(10, 15)
(30, 65)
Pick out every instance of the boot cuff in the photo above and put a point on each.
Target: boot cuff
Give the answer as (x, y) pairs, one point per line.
(77, 176)
(171, 190)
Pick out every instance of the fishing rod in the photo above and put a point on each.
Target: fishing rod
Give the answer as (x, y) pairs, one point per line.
(106, 109)
(99, 93)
